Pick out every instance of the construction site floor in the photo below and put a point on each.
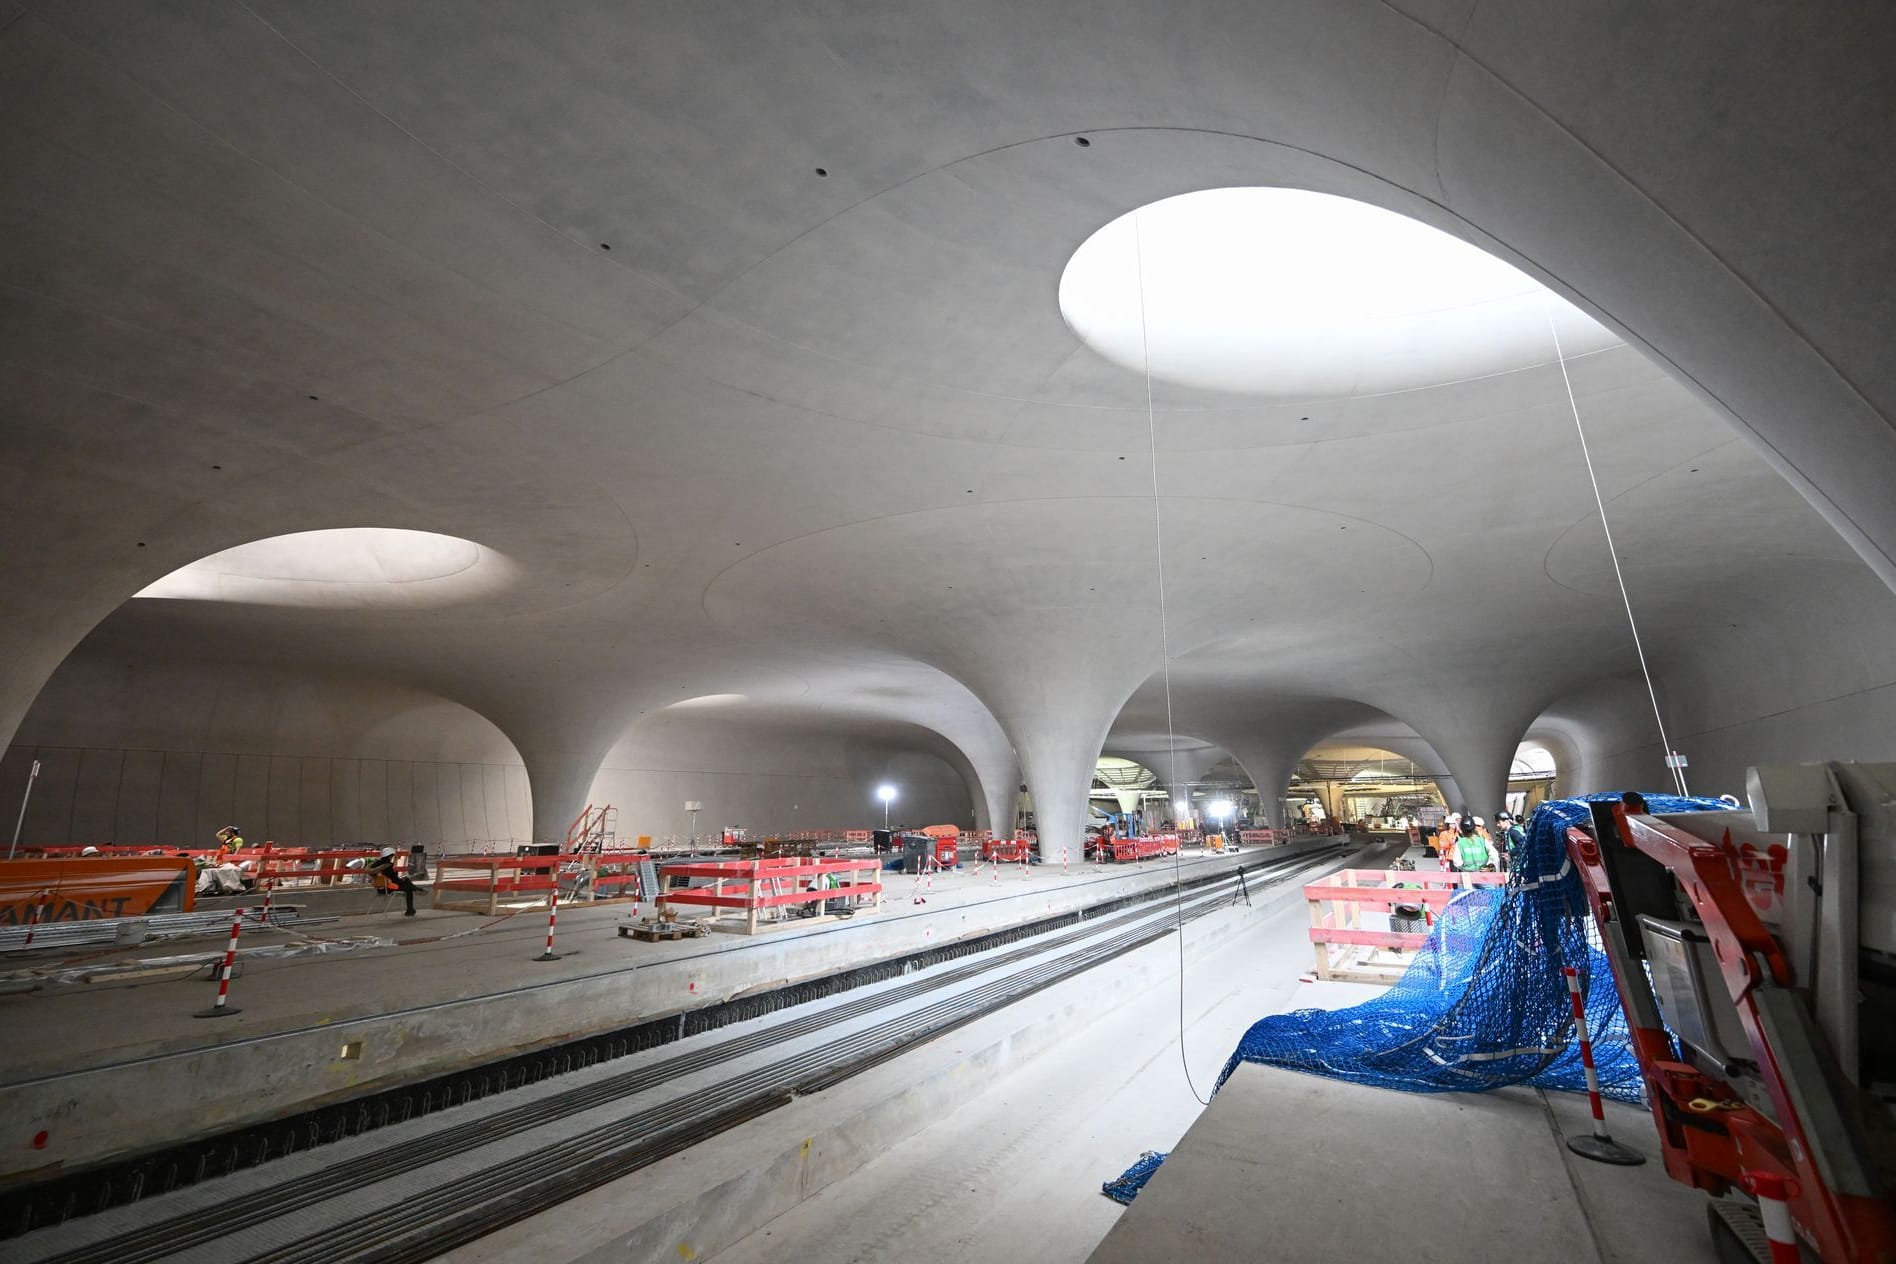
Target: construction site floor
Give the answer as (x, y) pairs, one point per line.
(120, 1063)
(1282, 1167)
(1295, 1167)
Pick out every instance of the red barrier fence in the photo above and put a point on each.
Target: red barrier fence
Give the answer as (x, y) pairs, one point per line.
(1348, 952)
(1123, 850)
(511, 884)
(1007, 851)
(760, 892)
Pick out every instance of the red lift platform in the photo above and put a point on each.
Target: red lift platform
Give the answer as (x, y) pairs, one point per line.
(1753, 955)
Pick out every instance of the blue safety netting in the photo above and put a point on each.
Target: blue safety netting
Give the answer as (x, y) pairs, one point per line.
(1124, 1187)
(1484, 1003)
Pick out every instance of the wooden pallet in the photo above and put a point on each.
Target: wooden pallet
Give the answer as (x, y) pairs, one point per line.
(656, 932)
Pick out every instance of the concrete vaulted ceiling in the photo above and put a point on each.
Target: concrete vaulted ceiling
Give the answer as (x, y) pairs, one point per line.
(735, 331)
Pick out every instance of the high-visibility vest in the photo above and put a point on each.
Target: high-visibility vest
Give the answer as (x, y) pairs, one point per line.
(1471, 852)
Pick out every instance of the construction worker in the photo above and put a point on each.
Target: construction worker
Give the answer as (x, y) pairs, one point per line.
(383, 873)
(1512, 838)
(1470, 852)
(229, 839)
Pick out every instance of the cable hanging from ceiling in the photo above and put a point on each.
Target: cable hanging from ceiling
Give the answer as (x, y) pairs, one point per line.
(1675, 763)
(1165, 646)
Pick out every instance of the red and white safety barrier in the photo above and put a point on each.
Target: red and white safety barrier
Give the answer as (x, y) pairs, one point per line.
(1600, 1145)
(268, 883)
(552, 915)
(1774, 1193)
(222, 1005)
(1064, 869)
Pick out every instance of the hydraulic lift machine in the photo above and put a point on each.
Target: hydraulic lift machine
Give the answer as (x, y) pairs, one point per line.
(1755, 955)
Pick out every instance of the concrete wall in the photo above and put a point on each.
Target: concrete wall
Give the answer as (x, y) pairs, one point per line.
(165, 754)
(766, 778)
(1803, 681)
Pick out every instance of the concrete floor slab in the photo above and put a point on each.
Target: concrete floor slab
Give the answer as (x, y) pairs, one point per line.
(987, 1144)
(1294, 1167)
(113, 1070)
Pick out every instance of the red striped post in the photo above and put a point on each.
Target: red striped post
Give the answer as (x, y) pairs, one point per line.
(41, 899)
(1599, 1146)
(268, 883)
(222, 1006)
(552, 913)
(1065, 869)
(1773, 1193)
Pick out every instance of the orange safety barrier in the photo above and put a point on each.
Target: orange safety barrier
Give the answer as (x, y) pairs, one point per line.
(496, 885)
(753, 888)
(1141, 848)
(1008, 851)
(1344, 949)
(286, 868)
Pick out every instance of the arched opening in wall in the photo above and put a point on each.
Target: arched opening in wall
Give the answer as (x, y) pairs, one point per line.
(721, 763)
(171, 719)
(1366, 784)
(1530, 778)
(164, 750)
(1220, 796)
(1129, 795)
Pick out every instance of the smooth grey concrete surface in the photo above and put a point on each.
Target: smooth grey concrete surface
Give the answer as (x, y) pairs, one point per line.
(877, 1167)
(733, 340)
(1294, 1167)
(456, 994)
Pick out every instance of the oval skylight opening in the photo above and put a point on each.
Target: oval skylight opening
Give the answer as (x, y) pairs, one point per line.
(1284, 293)
(343, 567)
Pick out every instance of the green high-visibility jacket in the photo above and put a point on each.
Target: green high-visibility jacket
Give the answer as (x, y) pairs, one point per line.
(1471, 852)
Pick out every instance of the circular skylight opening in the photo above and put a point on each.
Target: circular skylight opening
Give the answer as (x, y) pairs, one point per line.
(1286, 293)
(345, 566)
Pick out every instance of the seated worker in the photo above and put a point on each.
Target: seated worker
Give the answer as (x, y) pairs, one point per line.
(383, 873)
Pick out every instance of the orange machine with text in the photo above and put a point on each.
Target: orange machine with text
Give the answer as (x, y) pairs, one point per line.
(91, 888)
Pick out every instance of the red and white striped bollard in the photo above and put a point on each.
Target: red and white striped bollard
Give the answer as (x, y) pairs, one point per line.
(222, 1006)
(40, 899)
(1774, 1193)
(1599, 1145)
(552, 913)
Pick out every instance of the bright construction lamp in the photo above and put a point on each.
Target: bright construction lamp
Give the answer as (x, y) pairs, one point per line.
(887, 795)
(1219, 809)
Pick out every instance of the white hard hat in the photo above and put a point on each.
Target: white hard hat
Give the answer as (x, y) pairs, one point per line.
(1479, 821)
(388, 851)
(88, 851)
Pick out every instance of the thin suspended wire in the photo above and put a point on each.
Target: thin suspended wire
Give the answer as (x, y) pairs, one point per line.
(1665, 743)
(1165, 650)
